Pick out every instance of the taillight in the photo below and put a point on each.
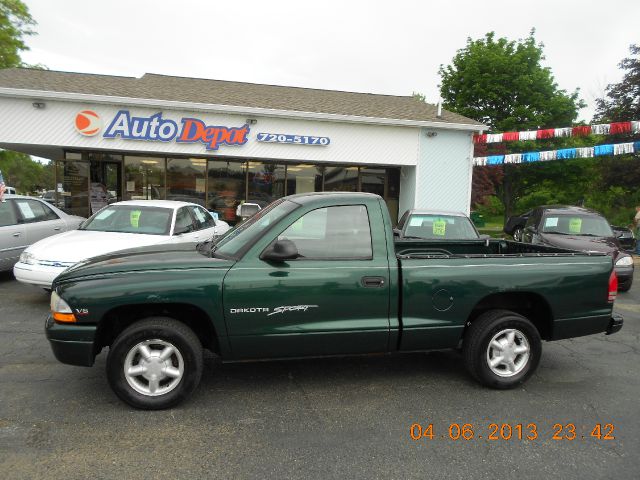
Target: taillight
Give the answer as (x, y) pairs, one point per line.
(613, 287)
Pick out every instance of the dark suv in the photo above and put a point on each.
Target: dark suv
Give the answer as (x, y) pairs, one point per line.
(579, 228)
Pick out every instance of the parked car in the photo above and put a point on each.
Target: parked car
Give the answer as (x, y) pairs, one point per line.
(119, 226)
(579, 228)
(319, 275)
(514, 225)
(435, 225)
(25, 220)
(50, 197)
(626, 237)
(9, 191)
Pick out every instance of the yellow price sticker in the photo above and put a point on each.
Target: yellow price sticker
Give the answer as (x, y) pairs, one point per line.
(439, 227)
(575, 225)
(134, 217)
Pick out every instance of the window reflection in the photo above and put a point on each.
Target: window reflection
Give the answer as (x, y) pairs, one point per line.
(185, 179)
(304, 178)
(144, 178)
(227, 188)
(265, 182)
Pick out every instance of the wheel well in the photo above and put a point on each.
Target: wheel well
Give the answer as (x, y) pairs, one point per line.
(116, 320)
(529, 305)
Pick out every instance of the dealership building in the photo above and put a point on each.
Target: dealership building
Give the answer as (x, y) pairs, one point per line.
(220, 143)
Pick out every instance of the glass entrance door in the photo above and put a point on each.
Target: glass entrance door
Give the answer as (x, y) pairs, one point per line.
(106, 184)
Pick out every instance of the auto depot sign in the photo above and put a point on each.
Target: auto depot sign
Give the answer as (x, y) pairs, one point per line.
(155, 128)
(158, 129)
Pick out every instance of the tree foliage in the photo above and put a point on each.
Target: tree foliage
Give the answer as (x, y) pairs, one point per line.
(25, 174)
(502, 84)
(15, 24)
(622, 100)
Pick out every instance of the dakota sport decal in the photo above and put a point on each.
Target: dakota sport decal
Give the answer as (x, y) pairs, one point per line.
(276, 310)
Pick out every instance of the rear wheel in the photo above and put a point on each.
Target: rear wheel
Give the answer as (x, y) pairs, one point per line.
(155, 363)
(502, 349)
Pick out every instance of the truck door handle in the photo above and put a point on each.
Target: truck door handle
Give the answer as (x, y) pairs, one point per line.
(373, 282)
(57, 228)
(17, 234)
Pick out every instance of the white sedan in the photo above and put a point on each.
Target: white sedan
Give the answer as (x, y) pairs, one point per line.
(119, 226)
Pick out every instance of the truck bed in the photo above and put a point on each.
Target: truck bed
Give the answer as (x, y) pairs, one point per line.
(444, 282)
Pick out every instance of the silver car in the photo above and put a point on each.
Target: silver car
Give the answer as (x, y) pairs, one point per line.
(25, 220)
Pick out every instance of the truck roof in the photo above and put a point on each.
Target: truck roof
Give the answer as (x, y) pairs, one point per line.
(305, 198)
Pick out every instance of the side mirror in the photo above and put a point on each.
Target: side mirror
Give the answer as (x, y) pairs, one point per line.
(396, 232)
(485, 237)
(247, 210)
(180, 231)
(280, 251)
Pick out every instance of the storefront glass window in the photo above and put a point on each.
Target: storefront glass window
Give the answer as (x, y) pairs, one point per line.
(384, 182)
(265, 182)
(186, 179)
(73, 187)
(304, 178)
(226, 189)
(144, 178)
(341, 179)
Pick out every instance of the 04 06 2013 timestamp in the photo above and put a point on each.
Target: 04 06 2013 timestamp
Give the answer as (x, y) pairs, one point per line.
(512, 431)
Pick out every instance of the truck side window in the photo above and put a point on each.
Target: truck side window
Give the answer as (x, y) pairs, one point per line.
(332, 233)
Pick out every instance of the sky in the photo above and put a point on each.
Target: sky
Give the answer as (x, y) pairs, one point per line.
(370, 46)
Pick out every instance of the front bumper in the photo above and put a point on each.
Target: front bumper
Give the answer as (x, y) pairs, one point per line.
(625, 275)
(38, 275)
(615, 324)
(71, 344)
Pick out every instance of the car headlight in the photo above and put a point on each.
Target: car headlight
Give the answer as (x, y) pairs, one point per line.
(28, 258)
(60, 310)
(624, 262)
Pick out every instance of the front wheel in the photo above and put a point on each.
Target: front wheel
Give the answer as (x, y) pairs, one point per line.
(501, 349)
(517, 234)
(155, 363)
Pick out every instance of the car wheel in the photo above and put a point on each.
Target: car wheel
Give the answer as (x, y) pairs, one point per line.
(625, 287)
(501, 349)
(517, 234)
(155, 363)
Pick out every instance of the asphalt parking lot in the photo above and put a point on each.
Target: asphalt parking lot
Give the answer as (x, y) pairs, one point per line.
(330, 418)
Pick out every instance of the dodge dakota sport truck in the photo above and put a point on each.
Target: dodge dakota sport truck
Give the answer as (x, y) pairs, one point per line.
(321, 274)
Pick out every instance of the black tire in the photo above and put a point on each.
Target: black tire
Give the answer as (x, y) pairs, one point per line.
(475, 348)
(517, 234)
(151, 331)
(625, 287)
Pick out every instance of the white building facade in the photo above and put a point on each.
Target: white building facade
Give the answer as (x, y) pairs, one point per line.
(222, 143)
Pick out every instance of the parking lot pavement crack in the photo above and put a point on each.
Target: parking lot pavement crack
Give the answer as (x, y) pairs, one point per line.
(308, 402)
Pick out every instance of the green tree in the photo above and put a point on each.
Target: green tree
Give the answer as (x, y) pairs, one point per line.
(502, 84)
(15, 24)
(622, 100)
(23, 173)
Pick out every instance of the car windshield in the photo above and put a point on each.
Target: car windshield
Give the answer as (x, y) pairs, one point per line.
(131, 219)
(576, 224)
(440, 227)
(244, 234)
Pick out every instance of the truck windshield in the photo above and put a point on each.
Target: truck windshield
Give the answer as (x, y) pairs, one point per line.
(231, 244)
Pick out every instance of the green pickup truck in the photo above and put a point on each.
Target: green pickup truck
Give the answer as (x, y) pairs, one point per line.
(322, 274)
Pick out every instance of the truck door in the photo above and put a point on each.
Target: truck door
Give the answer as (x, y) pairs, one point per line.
(333, 299)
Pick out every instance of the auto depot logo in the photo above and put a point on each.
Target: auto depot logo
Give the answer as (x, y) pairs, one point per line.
(88, 123)
(155, 128)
